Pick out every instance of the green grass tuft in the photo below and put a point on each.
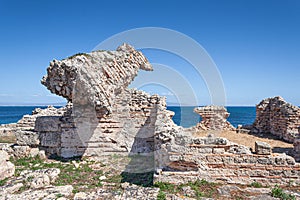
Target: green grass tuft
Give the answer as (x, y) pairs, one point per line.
(278, 192)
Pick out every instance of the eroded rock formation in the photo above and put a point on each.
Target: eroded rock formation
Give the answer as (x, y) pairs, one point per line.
(103, 115)
(213, 118)
(95, 78)
(276, 116)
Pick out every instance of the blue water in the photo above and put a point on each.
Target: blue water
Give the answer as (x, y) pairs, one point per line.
(184, 116)
(12, 114)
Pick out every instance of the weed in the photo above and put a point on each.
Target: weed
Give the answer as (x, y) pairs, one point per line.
(278, 192)
(256, 184)
(166, 187)
(59, 195)
(2, 182)
(161, 196)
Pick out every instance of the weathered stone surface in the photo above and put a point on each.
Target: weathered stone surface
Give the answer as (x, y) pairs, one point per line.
(276, 116)
(7, 130)
(262, 148)
(128, 192)
(27, 138)
(296, 150)
(7, 169)
(50, 192)
(95, 78)
(21, 151)
(52, 174)
(24, 130)
(47, 124)
(40, 181)
(213, 118)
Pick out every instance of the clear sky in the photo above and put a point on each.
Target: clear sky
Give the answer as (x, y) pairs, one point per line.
(254, 43)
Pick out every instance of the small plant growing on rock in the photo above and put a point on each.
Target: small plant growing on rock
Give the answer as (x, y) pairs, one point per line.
(161, 196)
(2, 182)
(166, 187)
(278, 192)
(256, 184)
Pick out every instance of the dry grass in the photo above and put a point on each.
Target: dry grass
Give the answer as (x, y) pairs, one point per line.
(7, 139)
(248, 140)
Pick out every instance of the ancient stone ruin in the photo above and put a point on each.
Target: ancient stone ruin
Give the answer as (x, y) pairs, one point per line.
(104, 117)
(276, 116)
(213, 118)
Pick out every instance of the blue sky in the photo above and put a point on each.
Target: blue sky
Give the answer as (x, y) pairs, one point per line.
(254, 43)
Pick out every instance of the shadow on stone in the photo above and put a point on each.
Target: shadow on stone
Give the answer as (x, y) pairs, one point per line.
(287, 150)
(140, 169)
(142, 179)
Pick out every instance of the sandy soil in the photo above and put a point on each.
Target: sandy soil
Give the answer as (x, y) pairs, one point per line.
(249, 139)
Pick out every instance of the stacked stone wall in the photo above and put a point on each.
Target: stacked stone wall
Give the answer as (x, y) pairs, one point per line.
(218, 160)
(276, 116)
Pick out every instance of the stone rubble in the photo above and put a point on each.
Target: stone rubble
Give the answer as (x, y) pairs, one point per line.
(213, 118)
(7, 169)
(129, 192)
(50, 192)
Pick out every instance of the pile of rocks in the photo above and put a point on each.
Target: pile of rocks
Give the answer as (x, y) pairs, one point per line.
(213, 118)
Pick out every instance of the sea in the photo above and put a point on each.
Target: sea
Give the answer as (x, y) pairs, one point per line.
(184, 116)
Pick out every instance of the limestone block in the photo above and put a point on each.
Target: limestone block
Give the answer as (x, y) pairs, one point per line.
(47, 124)
(21, 151)
(50, 139)
(27, 138)
(262, 148)
(7, 169)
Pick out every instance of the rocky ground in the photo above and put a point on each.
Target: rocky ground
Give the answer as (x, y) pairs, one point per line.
(106, 178)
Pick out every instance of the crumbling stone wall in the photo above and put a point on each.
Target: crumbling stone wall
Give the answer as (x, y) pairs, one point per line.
(218, 160)
(103, 116)
(276, 116)
(296, 151)
(130, 128)
(213, 118)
